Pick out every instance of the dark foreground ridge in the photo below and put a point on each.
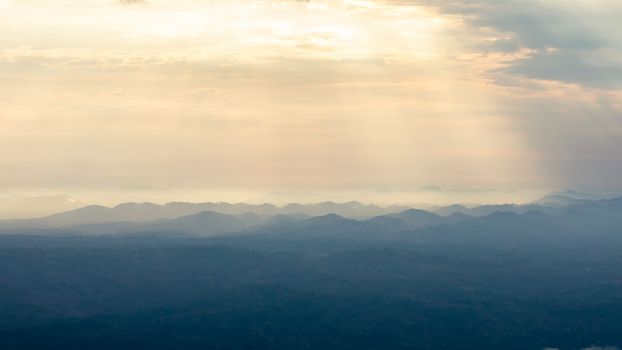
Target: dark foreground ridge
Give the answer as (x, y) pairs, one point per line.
(520, 279)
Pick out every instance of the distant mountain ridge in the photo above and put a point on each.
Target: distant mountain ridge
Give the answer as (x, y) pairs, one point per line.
(351, 219)
(144, 212)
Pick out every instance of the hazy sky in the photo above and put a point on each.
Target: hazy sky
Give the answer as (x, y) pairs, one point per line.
(310, 95)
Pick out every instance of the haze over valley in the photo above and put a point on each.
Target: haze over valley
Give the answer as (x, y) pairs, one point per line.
(314, 175)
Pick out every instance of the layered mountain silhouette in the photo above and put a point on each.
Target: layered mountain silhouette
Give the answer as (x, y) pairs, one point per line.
(103, 275)
(350, 219)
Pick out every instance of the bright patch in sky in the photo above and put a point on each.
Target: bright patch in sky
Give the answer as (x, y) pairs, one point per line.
(309, 95)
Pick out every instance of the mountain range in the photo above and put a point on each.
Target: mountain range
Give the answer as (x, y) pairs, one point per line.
(238, 276)
(352, 218)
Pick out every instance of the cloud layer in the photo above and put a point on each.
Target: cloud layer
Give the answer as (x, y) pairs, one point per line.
(306, 95)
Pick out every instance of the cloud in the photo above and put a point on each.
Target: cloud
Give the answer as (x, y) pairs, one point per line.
(311, 94)
(531, 23)
(573, 41)
(587, 68)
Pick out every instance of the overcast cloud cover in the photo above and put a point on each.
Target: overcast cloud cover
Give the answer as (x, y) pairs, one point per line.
(310, 95)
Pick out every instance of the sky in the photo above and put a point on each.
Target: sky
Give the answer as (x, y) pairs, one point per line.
(256, 100)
